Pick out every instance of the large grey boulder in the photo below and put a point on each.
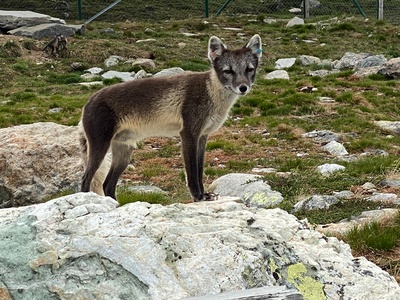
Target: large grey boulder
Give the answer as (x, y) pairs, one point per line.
(48, 30)
(391, 68)
(248, 187)
(13, 19)
(83, 246)
(37, 161)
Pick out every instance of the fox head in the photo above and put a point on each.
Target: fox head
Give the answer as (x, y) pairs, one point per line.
(236, 69)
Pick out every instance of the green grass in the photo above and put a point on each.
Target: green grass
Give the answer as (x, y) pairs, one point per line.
(375, 236)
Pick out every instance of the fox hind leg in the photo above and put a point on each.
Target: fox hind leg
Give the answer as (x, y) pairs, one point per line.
(121, 156)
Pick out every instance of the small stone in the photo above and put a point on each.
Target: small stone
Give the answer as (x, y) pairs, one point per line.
(327, 169)
(278, 74)
(284, 63)
(295, 21)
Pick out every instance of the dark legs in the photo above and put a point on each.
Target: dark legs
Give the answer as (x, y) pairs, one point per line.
(121, 156)
(193, 151)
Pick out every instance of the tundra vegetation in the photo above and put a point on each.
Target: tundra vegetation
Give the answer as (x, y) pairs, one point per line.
(264, 129)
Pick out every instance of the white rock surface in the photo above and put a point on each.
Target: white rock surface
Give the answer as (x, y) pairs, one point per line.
(86, 247)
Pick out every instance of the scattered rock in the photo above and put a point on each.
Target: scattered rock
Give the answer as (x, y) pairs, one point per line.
(145, 63)
(326, 99)
(365, 72)
(124, 76)
(76, 66)
(391, 126)
(327, 169)
(335, 148)
(322, 136)
(284, 63)
(170, 72)
(349, 60)
(364, 218)
(322, 72)
(55, 110)
(370, 61)
(295, 21)
(95, 70)
(391, 68)
(307, 60)
(250, 188)
(113, 60)
(390, 183)
(278, 74)
(89, 76)
(389, 198)
(316, 202)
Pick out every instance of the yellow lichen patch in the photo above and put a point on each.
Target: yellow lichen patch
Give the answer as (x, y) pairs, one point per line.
(310, 288)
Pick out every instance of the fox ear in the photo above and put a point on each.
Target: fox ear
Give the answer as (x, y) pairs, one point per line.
(255, 45)
(215, 48)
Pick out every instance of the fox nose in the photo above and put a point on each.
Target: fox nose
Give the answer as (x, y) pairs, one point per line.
(243, 89)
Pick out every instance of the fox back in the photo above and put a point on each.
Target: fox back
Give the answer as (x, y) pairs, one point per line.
(192, 105)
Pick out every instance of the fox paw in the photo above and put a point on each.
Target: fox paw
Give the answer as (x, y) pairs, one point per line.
(210, 196)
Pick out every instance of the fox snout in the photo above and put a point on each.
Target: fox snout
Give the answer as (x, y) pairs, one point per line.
(243, 89)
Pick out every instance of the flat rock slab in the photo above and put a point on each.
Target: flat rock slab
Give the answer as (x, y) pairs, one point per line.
(10, 20)
(48, 30)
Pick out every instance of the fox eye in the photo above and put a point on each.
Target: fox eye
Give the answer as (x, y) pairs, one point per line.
(228, 71)
(249, 69)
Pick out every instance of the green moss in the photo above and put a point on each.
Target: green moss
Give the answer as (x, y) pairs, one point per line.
(310, 288)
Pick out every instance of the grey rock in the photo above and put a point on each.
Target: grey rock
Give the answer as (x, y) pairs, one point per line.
(343, 194)
(250, 188)
(89, 76)
(349, 60)
(370, 61)
(316, 202)
(55, 110)
(48, 30)
(37, 161)
(170, 72)
(95, 70)
(322, 136)
(284, 63)
(107, 31)
(327, 169)
(143, 251)
(278, 74)
(295, 21)
(322, 72)
(393, 183)
(113, 60)
(141, 74)
(145, 63)
(383, 197)
(391, 68)
(335, 148)
(76, 66)
(364, 218)
(365, 72)
(91, 83)
(10, 20)
(307, 60)
(391, 126)
(326, 99)
(124, 76)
